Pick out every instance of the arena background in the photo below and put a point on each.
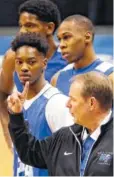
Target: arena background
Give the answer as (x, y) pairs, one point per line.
(99, 11)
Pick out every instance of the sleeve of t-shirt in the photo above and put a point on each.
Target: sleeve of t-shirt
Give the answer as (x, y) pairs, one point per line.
(57, 114)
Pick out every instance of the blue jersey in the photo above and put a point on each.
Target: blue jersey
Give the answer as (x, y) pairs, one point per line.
(38, 126)
(54, 64)
(64, 78)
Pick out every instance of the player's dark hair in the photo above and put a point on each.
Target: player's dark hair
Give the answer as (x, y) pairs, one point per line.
(45, 10)
(83, 22)
(30, 39)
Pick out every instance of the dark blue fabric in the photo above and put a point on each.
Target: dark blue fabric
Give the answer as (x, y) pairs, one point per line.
(86, 149)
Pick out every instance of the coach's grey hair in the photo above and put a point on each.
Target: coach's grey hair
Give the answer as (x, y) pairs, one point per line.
(97, 85)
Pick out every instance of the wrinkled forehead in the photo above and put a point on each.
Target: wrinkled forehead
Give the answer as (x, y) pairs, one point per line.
(76, 88)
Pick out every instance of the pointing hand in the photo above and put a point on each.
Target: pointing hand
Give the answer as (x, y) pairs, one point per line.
(17, 99)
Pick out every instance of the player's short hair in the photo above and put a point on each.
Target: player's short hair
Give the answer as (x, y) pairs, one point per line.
(31, 39)
(83, 23)
(45, 10)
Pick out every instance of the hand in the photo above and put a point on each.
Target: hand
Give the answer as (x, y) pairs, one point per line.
(17, 99)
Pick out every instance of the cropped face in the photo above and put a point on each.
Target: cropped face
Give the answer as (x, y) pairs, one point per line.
(30, 23)
(29, 64)
(72, 41)
(79, 106)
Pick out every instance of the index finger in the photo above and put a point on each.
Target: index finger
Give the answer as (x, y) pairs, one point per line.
(25, 90)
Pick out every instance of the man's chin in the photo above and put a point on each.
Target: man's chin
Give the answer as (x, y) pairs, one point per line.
(70, 60)
(76, 60)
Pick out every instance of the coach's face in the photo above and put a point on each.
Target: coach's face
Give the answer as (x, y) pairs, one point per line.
(72, 41)
(29, 64)
(79, 106)
(29, 23)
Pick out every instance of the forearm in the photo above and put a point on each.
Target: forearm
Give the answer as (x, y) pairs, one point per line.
(28, 148)
(4, 119)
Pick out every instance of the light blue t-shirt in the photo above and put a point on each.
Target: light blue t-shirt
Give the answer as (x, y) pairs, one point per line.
(64, 78)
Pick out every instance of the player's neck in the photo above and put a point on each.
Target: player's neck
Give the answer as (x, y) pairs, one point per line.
(88, 58)
(35, 88)
(52, 48)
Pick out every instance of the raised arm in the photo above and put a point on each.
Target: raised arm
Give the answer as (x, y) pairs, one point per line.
(8, 67)
(6, 87)
(31, 151)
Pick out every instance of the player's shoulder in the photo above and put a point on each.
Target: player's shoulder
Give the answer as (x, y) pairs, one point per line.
(55, 96)
(56, 75)
(104, 65)
(51, 91)
(55, 78)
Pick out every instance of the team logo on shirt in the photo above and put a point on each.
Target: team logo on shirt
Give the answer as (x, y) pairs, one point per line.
(104, 158)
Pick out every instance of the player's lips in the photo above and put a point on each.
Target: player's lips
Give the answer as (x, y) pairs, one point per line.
(25, 77)
(65, 55)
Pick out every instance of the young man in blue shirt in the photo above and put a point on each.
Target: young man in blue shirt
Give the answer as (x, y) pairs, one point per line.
(76, 35)
(45, 105)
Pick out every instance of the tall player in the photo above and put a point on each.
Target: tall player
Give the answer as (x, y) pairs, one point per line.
(40, 16)
(30, 62)
(76, 35)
